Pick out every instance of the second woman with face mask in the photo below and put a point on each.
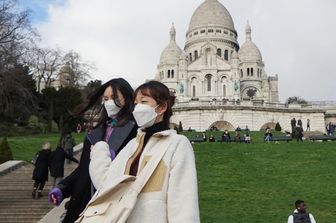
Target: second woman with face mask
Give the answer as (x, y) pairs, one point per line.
(170, 194)
(116, 127)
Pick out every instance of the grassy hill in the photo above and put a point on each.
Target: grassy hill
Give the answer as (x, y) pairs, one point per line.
(24, 147)
(259, 182)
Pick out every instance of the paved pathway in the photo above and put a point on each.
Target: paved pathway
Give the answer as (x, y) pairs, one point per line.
(16, 203)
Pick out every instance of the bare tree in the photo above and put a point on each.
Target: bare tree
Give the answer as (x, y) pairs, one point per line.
(45, 64)
(78, 70)
(15, 31)
(296, 100)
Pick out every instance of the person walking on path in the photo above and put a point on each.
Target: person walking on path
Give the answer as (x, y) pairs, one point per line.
(116, 127)
(300, 214)
(67, 144)
(57, 158)
(308, 125)
(170, 194)
(299, 133)
(40, 172)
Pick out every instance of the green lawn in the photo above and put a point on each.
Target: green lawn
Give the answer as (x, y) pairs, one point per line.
(259, 182)
(248, 183)
(24, 147)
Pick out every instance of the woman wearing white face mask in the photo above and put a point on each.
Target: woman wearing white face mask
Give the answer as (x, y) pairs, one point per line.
(170, 194)
(116, 127)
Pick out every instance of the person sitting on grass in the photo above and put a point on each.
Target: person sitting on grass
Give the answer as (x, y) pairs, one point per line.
(212, 138)
(247, 138)
(204, 137)
(300, 214)
(226, 136)
(238, 137)
(268, 135)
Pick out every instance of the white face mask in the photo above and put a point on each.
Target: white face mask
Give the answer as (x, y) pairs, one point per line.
(144, 115)
(111, 108)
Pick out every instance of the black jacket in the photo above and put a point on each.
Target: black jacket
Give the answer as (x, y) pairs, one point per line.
(78, 184)
(42, 165)
(57, 158)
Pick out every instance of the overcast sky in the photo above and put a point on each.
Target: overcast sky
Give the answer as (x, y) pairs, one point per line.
(126, 37)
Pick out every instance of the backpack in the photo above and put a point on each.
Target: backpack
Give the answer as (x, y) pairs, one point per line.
(301, 218)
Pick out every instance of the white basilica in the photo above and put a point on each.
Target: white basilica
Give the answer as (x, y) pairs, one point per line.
(212, 65)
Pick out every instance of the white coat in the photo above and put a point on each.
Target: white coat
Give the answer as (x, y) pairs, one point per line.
(170, 195)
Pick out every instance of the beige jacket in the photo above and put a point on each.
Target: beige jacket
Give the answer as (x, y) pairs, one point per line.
(170, 195)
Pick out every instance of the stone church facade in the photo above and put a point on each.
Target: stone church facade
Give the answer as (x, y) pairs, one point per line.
(220, 83)
(212, 65)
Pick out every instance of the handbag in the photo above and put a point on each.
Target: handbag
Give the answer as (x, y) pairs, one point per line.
(116, 204)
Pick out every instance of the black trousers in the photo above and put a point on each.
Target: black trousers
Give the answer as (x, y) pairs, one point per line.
(39, 185)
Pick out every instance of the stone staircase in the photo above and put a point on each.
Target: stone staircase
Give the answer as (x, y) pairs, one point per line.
(16, 203)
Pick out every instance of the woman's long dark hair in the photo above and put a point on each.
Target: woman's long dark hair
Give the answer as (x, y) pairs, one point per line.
(124, 115)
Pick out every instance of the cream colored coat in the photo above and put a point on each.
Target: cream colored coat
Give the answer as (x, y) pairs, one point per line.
(170, 195)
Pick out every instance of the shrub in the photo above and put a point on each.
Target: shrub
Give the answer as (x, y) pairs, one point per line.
(54, 127)
(5, 151)
(278, 127)
(33, 121)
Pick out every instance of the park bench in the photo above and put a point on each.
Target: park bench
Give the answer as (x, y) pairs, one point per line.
(281, 138)
(232, 139)
(322, 137)
(196, 140)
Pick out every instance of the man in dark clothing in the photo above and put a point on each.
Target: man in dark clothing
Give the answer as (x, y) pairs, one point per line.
(57, 158)
(68, 143)
(40, 173)
(299, 133)
(300, 214)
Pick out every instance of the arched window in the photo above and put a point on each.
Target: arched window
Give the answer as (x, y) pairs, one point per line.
(168, 73)
(252, 71)
(195, 54)
(224, 90)
(172, 73)
(248, 71)
(241, 72)
(219, 52)
(208, 79)
(226, 55)
(190, 57)
(193, 83)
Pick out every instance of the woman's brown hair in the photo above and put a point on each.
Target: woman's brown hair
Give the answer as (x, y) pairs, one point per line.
(161, 94)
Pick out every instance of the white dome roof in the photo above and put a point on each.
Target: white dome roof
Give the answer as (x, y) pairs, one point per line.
(211, 12)
(249, 51)
(171, 54)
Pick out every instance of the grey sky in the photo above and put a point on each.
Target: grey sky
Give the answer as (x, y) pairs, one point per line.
(125, 37)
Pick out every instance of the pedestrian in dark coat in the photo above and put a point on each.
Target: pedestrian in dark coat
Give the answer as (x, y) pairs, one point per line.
(40, 173)
(68, 143)
(116, 127)
(57, 158)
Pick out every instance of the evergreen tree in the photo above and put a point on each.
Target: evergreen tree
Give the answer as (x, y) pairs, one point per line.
(5, 151)
(278, 127)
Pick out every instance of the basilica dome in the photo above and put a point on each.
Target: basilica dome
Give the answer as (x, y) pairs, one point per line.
(249, 51)
(171, 54)
(211, 13)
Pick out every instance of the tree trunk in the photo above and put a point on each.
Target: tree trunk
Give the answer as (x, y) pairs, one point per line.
(50, 116)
